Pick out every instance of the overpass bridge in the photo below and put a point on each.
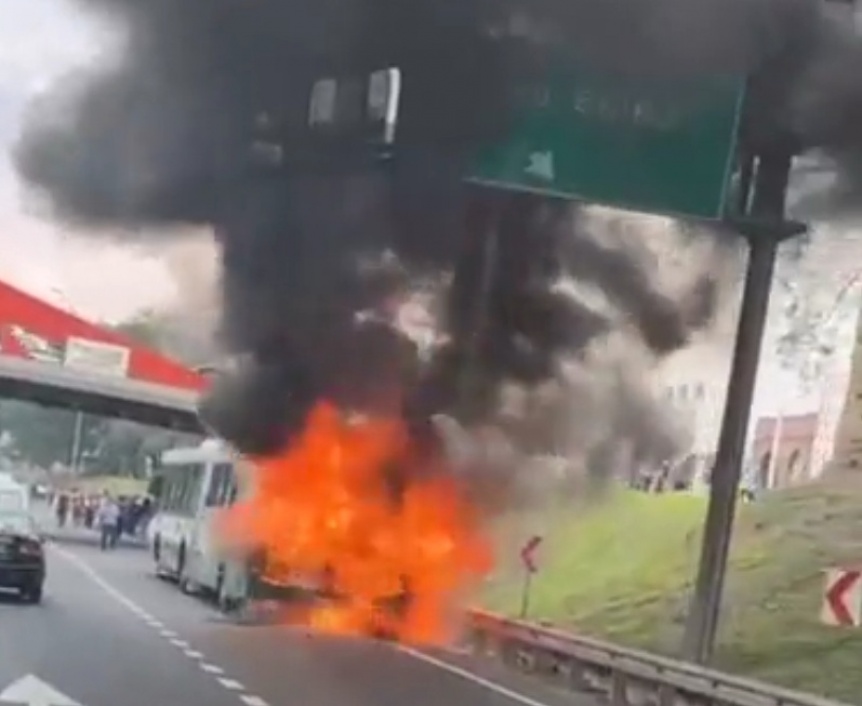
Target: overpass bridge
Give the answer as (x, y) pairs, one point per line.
(56, 358)
(58, 386)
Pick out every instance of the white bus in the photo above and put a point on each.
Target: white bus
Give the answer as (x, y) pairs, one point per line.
(191, 485)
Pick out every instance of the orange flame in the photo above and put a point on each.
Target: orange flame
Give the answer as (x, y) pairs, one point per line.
(338, 503)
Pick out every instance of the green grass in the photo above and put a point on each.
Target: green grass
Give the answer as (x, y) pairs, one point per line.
(115, 485)
(622, 570)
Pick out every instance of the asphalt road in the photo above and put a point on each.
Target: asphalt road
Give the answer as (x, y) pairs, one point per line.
(110, 634)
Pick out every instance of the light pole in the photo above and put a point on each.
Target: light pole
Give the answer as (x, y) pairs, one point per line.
(78, 429)
(78, 425)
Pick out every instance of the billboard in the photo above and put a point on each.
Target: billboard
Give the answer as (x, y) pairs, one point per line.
(34, 329)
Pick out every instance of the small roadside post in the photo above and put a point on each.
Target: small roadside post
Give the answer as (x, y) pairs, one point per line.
(530, 564)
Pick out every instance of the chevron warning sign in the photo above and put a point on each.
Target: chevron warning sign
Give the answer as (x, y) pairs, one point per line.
(842, 597)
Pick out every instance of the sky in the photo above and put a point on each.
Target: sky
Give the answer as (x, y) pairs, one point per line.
(39, 40)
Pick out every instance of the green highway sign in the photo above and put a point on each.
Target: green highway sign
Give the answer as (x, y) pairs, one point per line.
(658, 146)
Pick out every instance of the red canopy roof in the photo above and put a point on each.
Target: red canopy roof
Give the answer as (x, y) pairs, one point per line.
(31, 328)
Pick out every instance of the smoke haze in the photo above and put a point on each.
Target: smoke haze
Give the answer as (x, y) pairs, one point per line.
(164, 137)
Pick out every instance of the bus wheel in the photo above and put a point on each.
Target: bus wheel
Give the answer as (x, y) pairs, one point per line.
(219, 584)
(224, 602)
(182, 579)
(157, 556)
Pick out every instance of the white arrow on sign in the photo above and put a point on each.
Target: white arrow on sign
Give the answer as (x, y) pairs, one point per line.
(32, 691)
(541, 165)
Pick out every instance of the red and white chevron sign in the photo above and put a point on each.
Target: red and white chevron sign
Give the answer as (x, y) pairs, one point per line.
(842, 597)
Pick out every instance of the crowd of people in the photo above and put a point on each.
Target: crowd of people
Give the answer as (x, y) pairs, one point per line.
(111, 516)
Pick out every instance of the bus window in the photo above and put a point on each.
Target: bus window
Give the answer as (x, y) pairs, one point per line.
(156, 487)
(171, 490)
(182, 487)
(226, 485)
(193, 475)
(219, 487)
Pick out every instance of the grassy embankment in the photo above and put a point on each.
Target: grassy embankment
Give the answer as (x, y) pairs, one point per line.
(622, 570)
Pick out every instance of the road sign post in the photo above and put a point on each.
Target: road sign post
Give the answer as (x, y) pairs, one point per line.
(528, 561)
(842, 598)
(666, 147)
(764, 230)
(660, 146)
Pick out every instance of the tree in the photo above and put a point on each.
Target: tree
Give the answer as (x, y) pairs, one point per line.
(41, 435)
(122, 447)
(817, 298)
(173, 334)
(144, 328)
(814, 320)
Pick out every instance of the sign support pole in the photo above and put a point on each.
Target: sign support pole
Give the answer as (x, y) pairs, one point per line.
(525, 594)
(764, 231)
(528, 560)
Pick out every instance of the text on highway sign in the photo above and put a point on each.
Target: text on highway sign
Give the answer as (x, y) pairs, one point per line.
(659, 146)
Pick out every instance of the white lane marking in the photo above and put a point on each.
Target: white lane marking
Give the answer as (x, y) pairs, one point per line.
(469, 676)
(231, 684)
(95, 577)
(168, 634)
(251, 700)
(182, 644)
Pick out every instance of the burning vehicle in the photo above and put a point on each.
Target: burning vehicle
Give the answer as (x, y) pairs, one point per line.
(273, 125)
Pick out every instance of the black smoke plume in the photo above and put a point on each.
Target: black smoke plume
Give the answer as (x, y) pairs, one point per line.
(171, 134)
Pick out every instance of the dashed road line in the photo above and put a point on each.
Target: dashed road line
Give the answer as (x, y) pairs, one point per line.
(250, 700)
(235, 686)
(231, 685)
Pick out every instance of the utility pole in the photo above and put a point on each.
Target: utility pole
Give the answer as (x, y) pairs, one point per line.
(75, 455)
(764, 228)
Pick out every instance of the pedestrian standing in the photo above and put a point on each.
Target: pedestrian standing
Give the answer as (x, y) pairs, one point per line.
(107, 518)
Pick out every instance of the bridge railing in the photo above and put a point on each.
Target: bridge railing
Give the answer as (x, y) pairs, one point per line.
(619, 675)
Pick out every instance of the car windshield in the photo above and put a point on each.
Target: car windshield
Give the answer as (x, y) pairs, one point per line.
(16, 523)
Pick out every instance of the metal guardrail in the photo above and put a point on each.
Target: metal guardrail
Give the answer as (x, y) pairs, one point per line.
(620, 675)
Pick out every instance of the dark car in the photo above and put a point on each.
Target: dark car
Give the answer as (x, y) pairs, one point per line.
(22, 556)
